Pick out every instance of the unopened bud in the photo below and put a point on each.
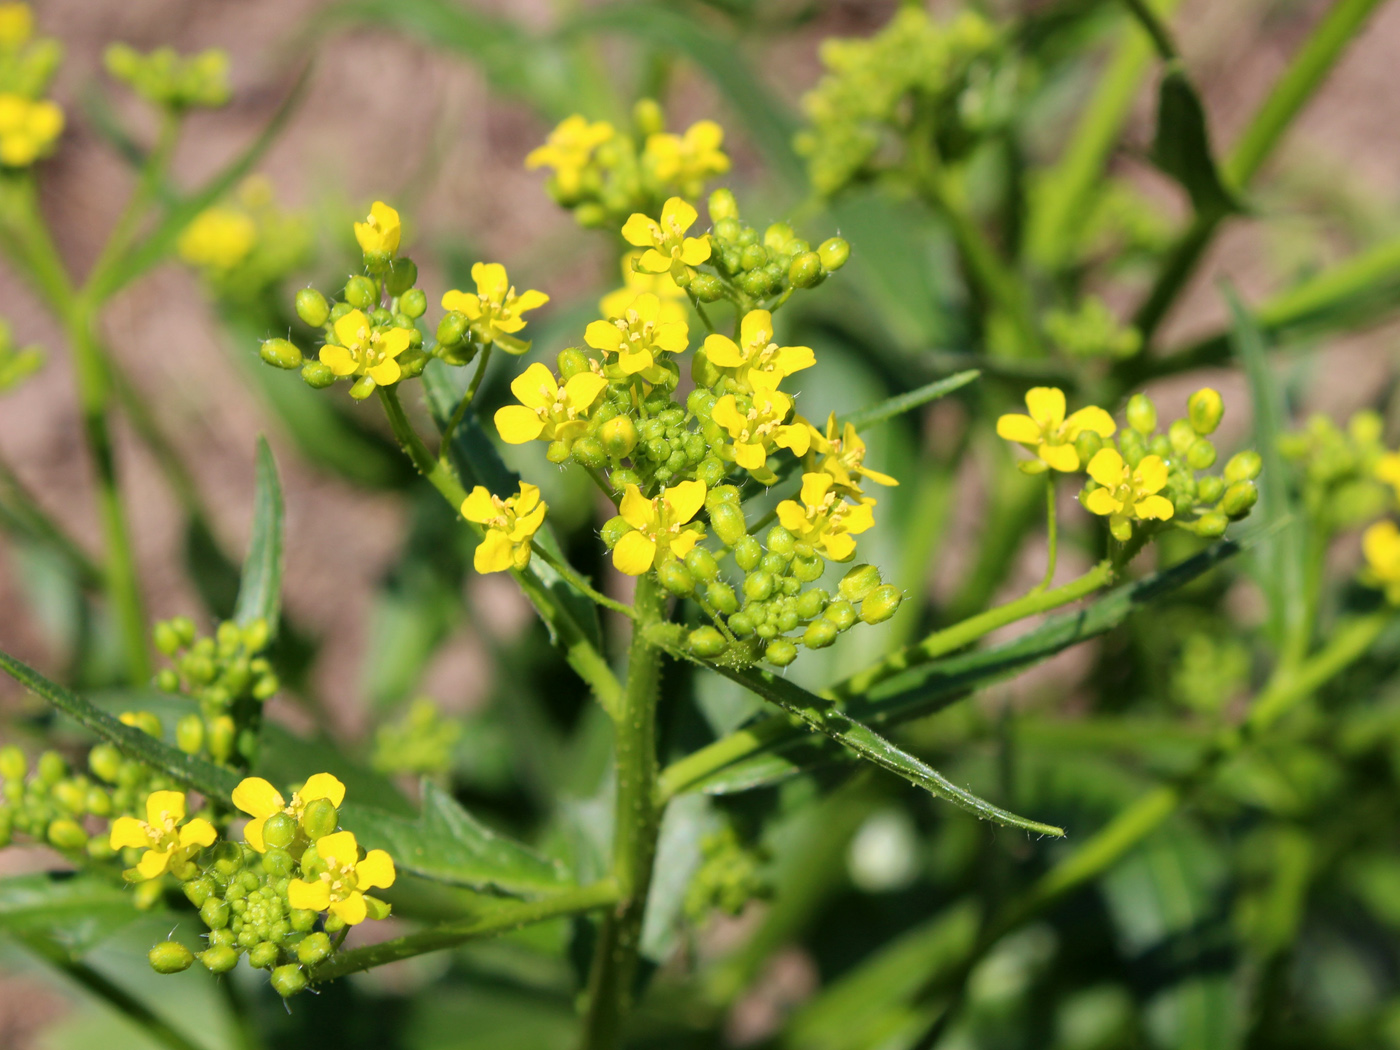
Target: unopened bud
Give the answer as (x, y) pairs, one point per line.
(319, 819)
(619, 436)
(1205, 408)
(403, 275)
(1212, 525)
(859, 581)
(13, 764)
(675, 577)
(312, 307)
(1087, 446)
(189, 734)
(780, 652)
(820, 633)
(747, 552)
(841, 613)
(1239, 499)
(316, 375)
(1209, 489)
(314, 949)
(361, 293)
(1142, 414)
(170, 957)
(65, 833)
(806, 271)
(706, 642)
(221, 733)
(723, 205)
(219, 959)
(413, 304)
(452, 329)
(707, 287)
(881, 603)
(1201, 454)
(288, 980)
(834, 251)
(729, 525)
(1244, 466)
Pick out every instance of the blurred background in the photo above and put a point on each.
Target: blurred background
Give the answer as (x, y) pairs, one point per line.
(432, 106)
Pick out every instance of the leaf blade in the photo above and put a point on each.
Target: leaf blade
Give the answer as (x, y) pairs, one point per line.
(260, 588)
(901, 403)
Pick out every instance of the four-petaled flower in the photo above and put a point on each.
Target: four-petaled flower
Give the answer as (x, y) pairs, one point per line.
(510, 525)
(841, 453)
(657, 523)
(381, 230)
(260, 800)
(1047, 432)
(218, 239)
(757, 361)
(494, 311)
(687, 160)
(338, 878)
(1126, 494)
(634, 283)
(27, 128)
(1381, 545)
(548, 410)
(363, 350)
(568, 149)
(823, 519)
(758, 430)
(161, 833)
(644, 328)
(667, 246)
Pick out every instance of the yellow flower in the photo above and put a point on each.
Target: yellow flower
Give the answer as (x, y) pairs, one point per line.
(1388, 470)
(339, 877)
(16, 25)
(841, 453)
(260, 800)
(1127, 494)
(758, 363)
(667, 246)
(161, 833)
(1047, 432)
(657, 523)
(689, 159)
(365, 351)
(757, 431)
(380, 231)
(27, 129)
(510, 525)
(647, 326)
(495, 309)
(823, 519)
(547, 410)
(661, 285)
(1381, 545)
(217, 239)
(568, 149)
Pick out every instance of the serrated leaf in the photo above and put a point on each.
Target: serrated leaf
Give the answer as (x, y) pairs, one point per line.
(448, 844)
(1182, 150)
(913, 399)
(204, 777)
(260, 591)
(75, 911)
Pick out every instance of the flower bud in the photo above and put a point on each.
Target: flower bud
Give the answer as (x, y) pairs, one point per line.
(723, 205)
(589, 452)
(313, 949)
(361, 293)
(706, 642)
(104, 760)
(675, 577)
(859, 581)
(834, 251)
(1209, 489)
(215, 913)
(452, 329)
(702, 564)
(1132, 446)
(14, 766)
(747, 552)
(279, 830)
(729, 525)
(780, 652)
(1205, 409)
(189, 734)
(758, 586)
(1181, 437)
(819, 634)
(403, 275)
(805, 271)
(722, 597)
(841, 613)
(288, 980)
(881, 603)
(1201, 454)
(556, 452)
(1239, 499)
(619, 436)
(312, 307)
(221, 732)
(166, 638)
(707, 288)
(199, 890)
(1244, 466)
(316, 375)
(219, 959)
(572, 361)
(613, 530)
(66, 833)
(1212, 525)
(170, 957)
(710, 470)
(807, 567)
(263, 955)
(413, 303)
(1142, 414)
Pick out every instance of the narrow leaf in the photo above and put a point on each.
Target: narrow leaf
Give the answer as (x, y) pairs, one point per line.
(204, 777)
(913, 399)
(1182, 146)
(260, 592)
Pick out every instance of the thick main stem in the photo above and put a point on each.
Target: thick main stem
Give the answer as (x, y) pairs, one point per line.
(638, 820)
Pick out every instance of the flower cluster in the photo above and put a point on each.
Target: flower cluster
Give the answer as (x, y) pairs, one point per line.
(170, 80)
(882, 90)
(245, 245)
(29, 123)
(1091, 331)
(421, 742)
(1347, 476)
(603, 174)
(1139, 478)
(228, 678)
(731, 874)
(16, 363)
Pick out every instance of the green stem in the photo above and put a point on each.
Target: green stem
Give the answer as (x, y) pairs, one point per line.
(468, 399)
(580, 584)
(969, 630)
(1051, 532)
(500, 919)
(1156, 31)
(637, 823)
(704, 317)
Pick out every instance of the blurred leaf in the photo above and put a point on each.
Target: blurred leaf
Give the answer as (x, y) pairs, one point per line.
(18, 366)
(1182, 146)
(448, 844)
(73, 910)
(260, 593)
(209, 569)
(205, 777)
(908, 402)
(684, 825)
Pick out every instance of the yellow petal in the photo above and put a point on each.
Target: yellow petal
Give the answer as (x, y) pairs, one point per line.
(1380, 543)
(386, 373)
(163, 805)
(1022, 429)
(749, 456)
(726, 414)
(1107, 468)
(339, 846)
(491, 280)
(1090, 418)
(677, 214)
(654, 262)
(685, 500)
(860, 517)
(640, 231)
(198, 832)
(518, 424)
(792, 517)
(815, 486)
(838, 547)
(308, 896)
(1151, 475)
(352, 329)
(634, 361)
(877, 477)
(672, 336)
(352, 909)
(603, 335)
(634, 554)
(695, 250)
(256, 797)
(792, 359)
(128, 831)
(253, 834)
(153, 863)
(1158, 507)
(583, 389)
(722, 352)
(478, 506)
(756, 329)
(1100, 501)
(495, 553)
(322, 785)
(529, 300)
(393, 342)
(683, 542)
(339, 360)
(636, 509)
(1061, 457)
(535, 387)
(1046, 405)
(796, 438)
(376, 870)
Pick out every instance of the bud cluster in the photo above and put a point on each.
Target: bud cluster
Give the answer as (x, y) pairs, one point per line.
(244, 246)
(1347, 476)
(421, 742)
(730, 875)
(170, 80)
(29, 123)
(1091, 330)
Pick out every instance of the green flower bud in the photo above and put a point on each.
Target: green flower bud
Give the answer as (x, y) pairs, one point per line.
(189, 734)
(314, 949)
(280, 353)
(747, 552)
(702, 565)
(1239, 499)
(706, 642)
(14, 766)
(741, 624)
(452, 329)
(753, 257)
(859, 581)
(572, 361)
(361, 293)
(403, 275)
(722, 598)
(613, 530)
(339, 310)
(66, 833)
(806, 271)
(675, 577)
(808, 567)
(1209, 489)
(288, 980)
(723, 206)
(215, 913)
(170, 957)
(589, 452)
(754, 283)
(1212, 525)
(881, 603)
(97, 802)
(556, 452)
(316, 375)
(1087, 446)
(834, 252)
(104, 760)
(758, 586)
(777, 236)
(841, 613)
(413, 303)
(1244, 466)
(619, 436)
(705, 374)
(819, 634)
(1205, 408)
(199, 890)
(1201, 454)
(279, 830)
(319, 818)
(707, 288)
(220, 737)
(780, 652)
(166, 638)
(312, 307)
(1181, 436)
(219, 958)
(264, 955)
(811, 603)
(730, 527)
(710, 470)
(1133, 447)
(70, 795)
(301, 919)
(51, 768)
(1142, 414)
(167, 681)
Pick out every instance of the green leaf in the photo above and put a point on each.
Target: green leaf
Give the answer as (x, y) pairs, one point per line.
(18, 366)
(75, 911)
(1182, 146)
(772, 749)
(214, 576)
(260, 592)
(448, 844)
(204, 777)
(913, 399)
